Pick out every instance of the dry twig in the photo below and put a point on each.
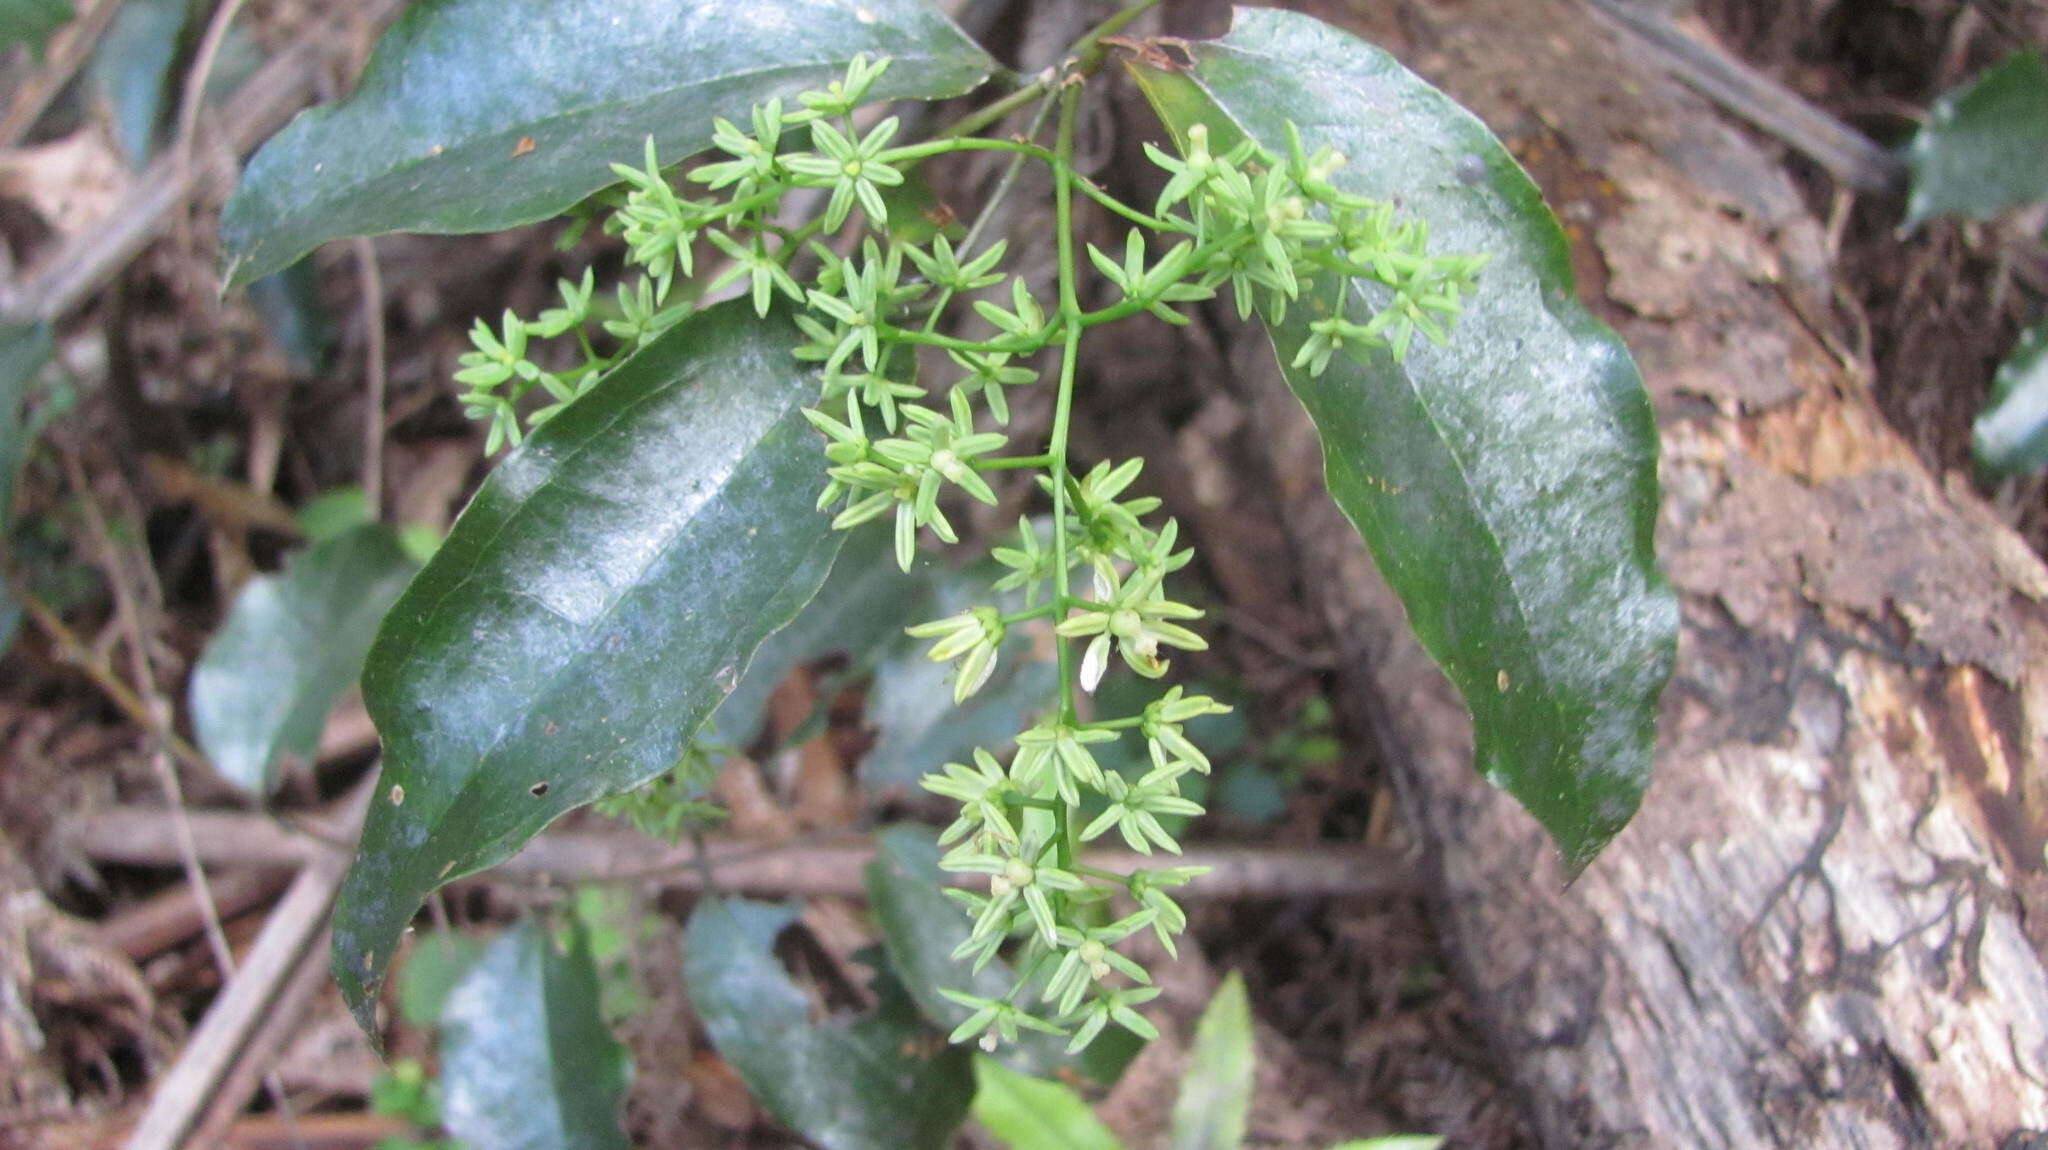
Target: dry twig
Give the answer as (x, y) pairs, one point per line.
(136, 836)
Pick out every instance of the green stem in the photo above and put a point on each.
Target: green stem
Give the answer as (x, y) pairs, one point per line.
(1011, 462)
(912, 153)
(1090, 47)
(1015, 345)
(1063, 410)
(1087, 52)
(988, 210)
(1094, 192)
(1028, 613)
(981, 118)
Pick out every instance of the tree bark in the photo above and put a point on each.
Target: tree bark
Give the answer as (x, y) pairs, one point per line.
(1826, 926)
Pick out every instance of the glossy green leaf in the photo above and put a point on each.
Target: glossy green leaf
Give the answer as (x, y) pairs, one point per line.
(1027, 1113)
(914, 737)
(333, 513)
(1507, 484)
(526, 1060)
(879, 1082)
(433, 967)
(861, 610)
(290, 647)
(1984, 147)
(594, 603)
(476, 115)
(131, 71)
(289, 304)
(24, 349)
(2011, 435)
(30, 22)
(920, 929)
(1216, 1090)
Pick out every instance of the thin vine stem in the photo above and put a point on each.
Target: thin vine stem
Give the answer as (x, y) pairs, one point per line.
(1086, 52)
(1065, 830)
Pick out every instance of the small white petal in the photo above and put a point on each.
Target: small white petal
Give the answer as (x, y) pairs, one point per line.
(1095, 663)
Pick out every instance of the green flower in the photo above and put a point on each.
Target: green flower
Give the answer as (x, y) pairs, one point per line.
(1108, 529)
(943, 449)
(1031, 562)
(942, 267)
(574, 311)
(989, 373)
(994, 1019)
(852, 168)
(1139, 619)
(753, 165)
(980, 790)
(1053, 758)
(1161, 726)
(1157, 286)
(659, 228)
(1134, 810)
(496, 358)
(840, 97)
(641, 316)
(1329, 336)
(1148, 888)
(861, 304)
(1088, 957)
(1024, 320)
(972, 637)
(875, 391)
(762, 268)
(1113, 1006)
(1014, 881)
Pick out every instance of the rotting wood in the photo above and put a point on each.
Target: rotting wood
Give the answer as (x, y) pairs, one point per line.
(1825, 928)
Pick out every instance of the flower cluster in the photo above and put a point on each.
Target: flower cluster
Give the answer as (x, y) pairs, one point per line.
(1276, 231)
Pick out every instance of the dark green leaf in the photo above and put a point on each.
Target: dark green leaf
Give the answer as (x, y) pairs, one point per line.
(1216, 1091)
(1984, 147)
(913, 736)
(476, 115)
(131, 71)
(24, 349)
(1249, 791)
(593, 604)
(333, 513)
(30, 22)
(526, 1061)
(880, 1082)
(432, 968)
(1034, 1113)
(920, 928)
(291, 646)
(2011, 436)
(862, 609)
(289, 304)
(1508, 483)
